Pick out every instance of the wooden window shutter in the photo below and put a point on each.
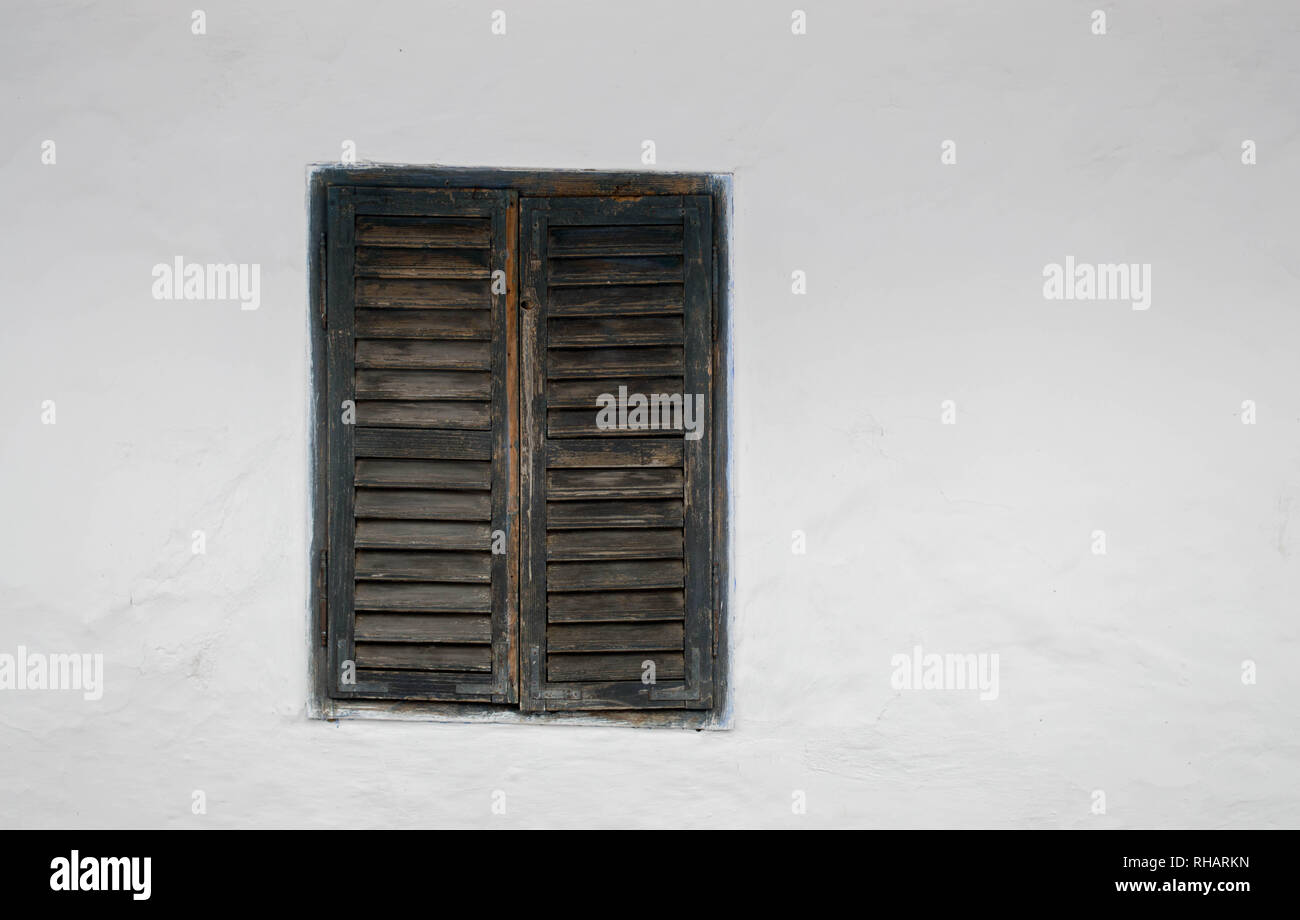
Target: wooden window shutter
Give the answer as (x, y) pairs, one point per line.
(419, 477)
(616, 562)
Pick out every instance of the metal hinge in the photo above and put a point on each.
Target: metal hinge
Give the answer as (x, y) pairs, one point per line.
(535, 667)
(322, 582)
(323, 269)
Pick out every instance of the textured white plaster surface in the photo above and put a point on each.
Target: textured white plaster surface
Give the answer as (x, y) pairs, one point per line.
(1118, 672)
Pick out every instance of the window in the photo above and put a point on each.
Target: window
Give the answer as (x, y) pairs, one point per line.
(520, 403)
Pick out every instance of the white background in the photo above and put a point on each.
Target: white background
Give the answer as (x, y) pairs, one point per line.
(1119, 673)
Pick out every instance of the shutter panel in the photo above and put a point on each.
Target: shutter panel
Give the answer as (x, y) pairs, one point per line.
(616, 564)
(419, 342)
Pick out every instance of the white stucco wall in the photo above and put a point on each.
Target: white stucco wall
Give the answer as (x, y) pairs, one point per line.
(1120, 673)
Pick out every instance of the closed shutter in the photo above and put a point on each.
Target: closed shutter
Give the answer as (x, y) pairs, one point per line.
(419, 478)
(616, 566)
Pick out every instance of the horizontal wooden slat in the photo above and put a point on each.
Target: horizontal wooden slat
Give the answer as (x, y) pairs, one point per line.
(393, 565)
(654, 513)
(385, 262)
(430, 354)
(432, 324)
(424, 232)
(627, 300)
(427, 413)
(380, 534)
(633, 209)
(425, 505)
(657, 482)
(614, 270)
(436, 474)
(424, 657)
(614, 576)
(586, 332)
(584, 394)
(419, 444)
(614, 362)
(615, 606)
(586, 423)
(580, 545)
(624, 240)
(404, 384)
(627, 452)
(612, 666)
(423, 294)
(614, 637)
(471, 628)
(427, 596)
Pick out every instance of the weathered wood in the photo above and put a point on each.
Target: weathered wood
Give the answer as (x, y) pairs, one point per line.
(586, 332)
(614, 576)
(617, 270)
(385, 262)
(428, 413)
(437, 474)
(616, 606)
(629, 300)
(424, 657)
(579, 545)
(428, 354)
(341, 441)
(615, 637)
(406, 384)
(453, 535)
(613, 666)
(655, 482)
(433, 324)
(595, 494)
(431, 597)
(419, 444)
(423, 294)
(586, 182)
(532, 451)
(625, 240)
(586, 423)
(586, 394)
(424, 232)
(463, 628)
(577, 514)
(506, 454)
(614, 362)
(391, 565)
(422, 504)
(641, 452)
(698, 525)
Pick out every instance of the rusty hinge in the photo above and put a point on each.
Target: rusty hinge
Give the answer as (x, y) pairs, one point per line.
(535, 666)
(322, 266)
(322, 574)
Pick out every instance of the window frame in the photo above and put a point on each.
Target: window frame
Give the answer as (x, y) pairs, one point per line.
(556, 184)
